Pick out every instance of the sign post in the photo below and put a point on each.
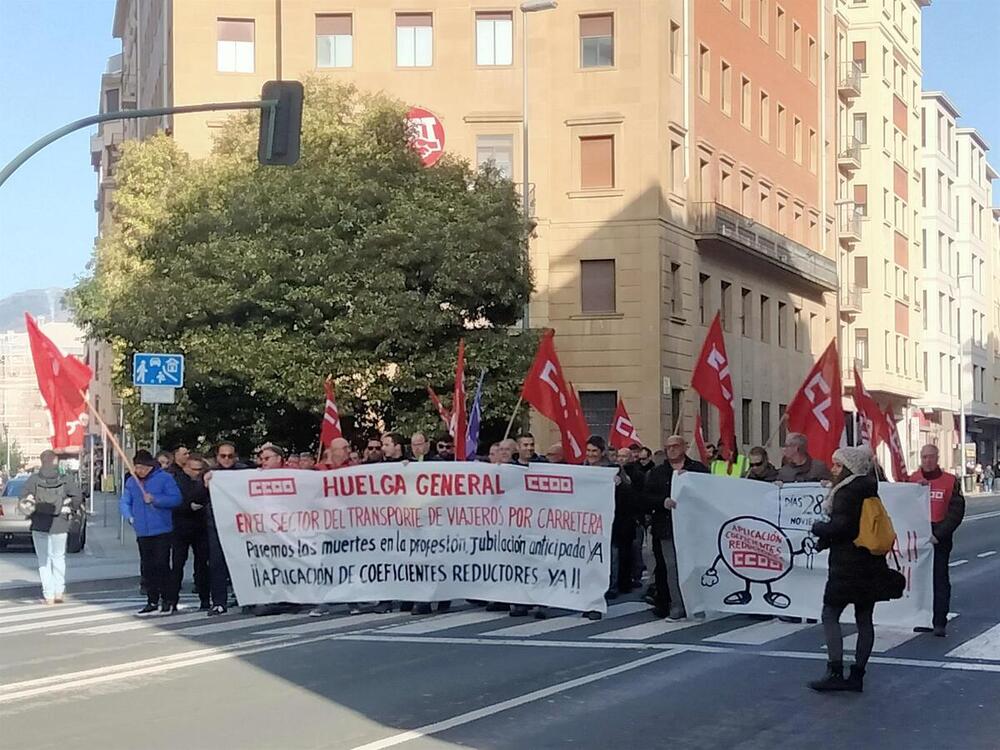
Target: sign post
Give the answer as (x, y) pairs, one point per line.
(158, 376)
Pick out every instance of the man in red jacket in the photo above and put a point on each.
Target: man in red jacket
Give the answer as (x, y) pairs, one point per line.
(947, 512)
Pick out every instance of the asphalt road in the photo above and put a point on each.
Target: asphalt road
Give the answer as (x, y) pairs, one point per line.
(91, 675)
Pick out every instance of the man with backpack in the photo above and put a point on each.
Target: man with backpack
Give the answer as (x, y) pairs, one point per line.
(49, 498)
(947, 512)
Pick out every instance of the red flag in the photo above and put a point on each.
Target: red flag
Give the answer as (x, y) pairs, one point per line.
(546, 389)
(62, 381)
(331, 417)
(895, 447)
(623, 432)
(816, 411)
(872, 421)
(712, 381)
(699, 441)
(458, 403)
(441, 410)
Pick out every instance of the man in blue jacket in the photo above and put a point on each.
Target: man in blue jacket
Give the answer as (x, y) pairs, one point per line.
(147, 503)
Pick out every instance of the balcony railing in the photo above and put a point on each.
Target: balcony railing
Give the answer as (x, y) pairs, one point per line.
(849, 155)
(851, 300)
(713, 221)
(849, 220)
(849, 79)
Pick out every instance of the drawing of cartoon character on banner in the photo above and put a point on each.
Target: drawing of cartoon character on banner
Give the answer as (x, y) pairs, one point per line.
(756, 551)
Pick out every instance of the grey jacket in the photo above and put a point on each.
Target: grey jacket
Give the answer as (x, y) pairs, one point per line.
(811, 471)
(50, 489)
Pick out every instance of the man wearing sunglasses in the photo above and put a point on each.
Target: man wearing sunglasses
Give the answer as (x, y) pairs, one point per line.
(373, 451)
(445, 448)
(761, 469)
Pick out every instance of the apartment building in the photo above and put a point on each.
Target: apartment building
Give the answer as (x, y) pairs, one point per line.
(878, 161)
(958, 283)
(682, 161)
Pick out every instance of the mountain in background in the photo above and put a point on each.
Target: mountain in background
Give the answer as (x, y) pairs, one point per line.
(47, 303)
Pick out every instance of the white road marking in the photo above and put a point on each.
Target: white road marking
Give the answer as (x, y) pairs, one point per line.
(59, 622)
(435, 623)
(956, 563)
(140, 623)
(655, 628)
(328, 623)
(495, 708)
(566, 622)
(244, 621)
(759, 633)
(886, 638)
(981, 516)
(987, 554)
(56, 611)
(984, 646)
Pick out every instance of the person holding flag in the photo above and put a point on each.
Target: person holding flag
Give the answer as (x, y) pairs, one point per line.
(815, 420)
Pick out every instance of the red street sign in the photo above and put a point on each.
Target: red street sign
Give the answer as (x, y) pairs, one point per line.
(426, 135)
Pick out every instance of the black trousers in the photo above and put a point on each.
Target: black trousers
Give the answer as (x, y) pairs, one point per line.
(662, 594)
(192, 536)
(154, 567)
(218, 571)
(942, 582)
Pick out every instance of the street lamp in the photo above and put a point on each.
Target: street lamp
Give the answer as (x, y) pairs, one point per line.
(530, 6)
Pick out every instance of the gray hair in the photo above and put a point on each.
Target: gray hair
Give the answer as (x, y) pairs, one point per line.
(798, 441)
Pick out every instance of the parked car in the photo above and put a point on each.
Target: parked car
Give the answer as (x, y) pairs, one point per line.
(15, 528)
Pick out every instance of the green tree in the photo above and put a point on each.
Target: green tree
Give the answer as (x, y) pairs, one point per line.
(16, 456)
(358, 262)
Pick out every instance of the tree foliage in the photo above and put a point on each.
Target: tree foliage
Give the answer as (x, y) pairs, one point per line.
(358, 262)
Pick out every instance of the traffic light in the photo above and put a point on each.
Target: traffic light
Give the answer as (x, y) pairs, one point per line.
(280, 126)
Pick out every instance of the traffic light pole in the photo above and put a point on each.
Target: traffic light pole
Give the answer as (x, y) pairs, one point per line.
(55, 135)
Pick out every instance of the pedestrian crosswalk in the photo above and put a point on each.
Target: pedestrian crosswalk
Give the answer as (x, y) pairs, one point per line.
(624, 623)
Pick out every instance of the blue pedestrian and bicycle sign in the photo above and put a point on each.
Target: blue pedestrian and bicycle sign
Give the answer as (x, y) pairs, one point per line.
(166, 370)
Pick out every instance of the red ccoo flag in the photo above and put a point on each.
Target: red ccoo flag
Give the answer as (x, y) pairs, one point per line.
(816, 411)
(712, 381)
(62, 380)
(458, 403)
(623, 432)
(872, 420)
(546, 389)
(895, 447)
(441, 410)
(331, 417)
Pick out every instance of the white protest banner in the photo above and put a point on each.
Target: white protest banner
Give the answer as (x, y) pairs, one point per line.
(746, 547)
(426, 531)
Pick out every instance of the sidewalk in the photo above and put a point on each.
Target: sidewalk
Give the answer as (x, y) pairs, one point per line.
(105, 557)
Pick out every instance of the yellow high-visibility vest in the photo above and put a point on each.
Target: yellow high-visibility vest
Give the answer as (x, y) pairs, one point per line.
(721, 468)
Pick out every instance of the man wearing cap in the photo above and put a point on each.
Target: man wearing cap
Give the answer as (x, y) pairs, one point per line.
(147, 503)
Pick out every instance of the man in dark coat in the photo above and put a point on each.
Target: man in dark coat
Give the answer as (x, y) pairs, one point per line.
(657, 500)
(191, 527)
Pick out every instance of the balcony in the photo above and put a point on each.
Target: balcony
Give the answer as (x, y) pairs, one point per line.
(849, 80)
(849, 370)
(851, 301)
(849, 155)
(849, 220)
(715, 224)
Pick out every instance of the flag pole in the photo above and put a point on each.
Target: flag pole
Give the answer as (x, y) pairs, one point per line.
(784, 418)
(510, 424)
(680, 416)
(116, 446)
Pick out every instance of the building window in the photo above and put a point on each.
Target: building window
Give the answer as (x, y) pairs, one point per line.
(676, 167)
(334, 41)
(797, 139)
(780, 30)
(861, 200)
(498, 149)
(235, 51)
(597, 41)
(764, 21)
(747, 406)
(597, 287)
(746, 102)
(746, 312)
(703, 280)
(726, 84)
(726, 306)
(112, 101)
(597, 162)
(704, 72)
(861, 346)
(676, 303)
(813, 151)
(861, 271)
(765, 319)
(414, 40)
(676, 395)
(782, 324)
(765, 116)
(494, 38)
(599, 410)
(861, 128)
(782, 129)
(796, 46)
(675, 49)
(782, 424)
(797, 329)
(745, 11)
(765, 421)
(813, 60)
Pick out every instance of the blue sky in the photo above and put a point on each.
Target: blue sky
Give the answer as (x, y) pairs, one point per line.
(52, 53)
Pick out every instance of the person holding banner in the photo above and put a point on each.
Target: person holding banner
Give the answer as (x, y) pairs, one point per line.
(668, 602)
(761, 469)
(797, 465)
(947, 512)
(226, 459)
(856, 576)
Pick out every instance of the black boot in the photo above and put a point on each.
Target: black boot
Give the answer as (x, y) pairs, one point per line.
(833, 680)
(856, 680)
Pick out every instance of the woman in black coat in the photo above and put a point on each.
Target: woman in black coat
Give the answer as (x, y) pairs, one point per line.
(855, 574)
